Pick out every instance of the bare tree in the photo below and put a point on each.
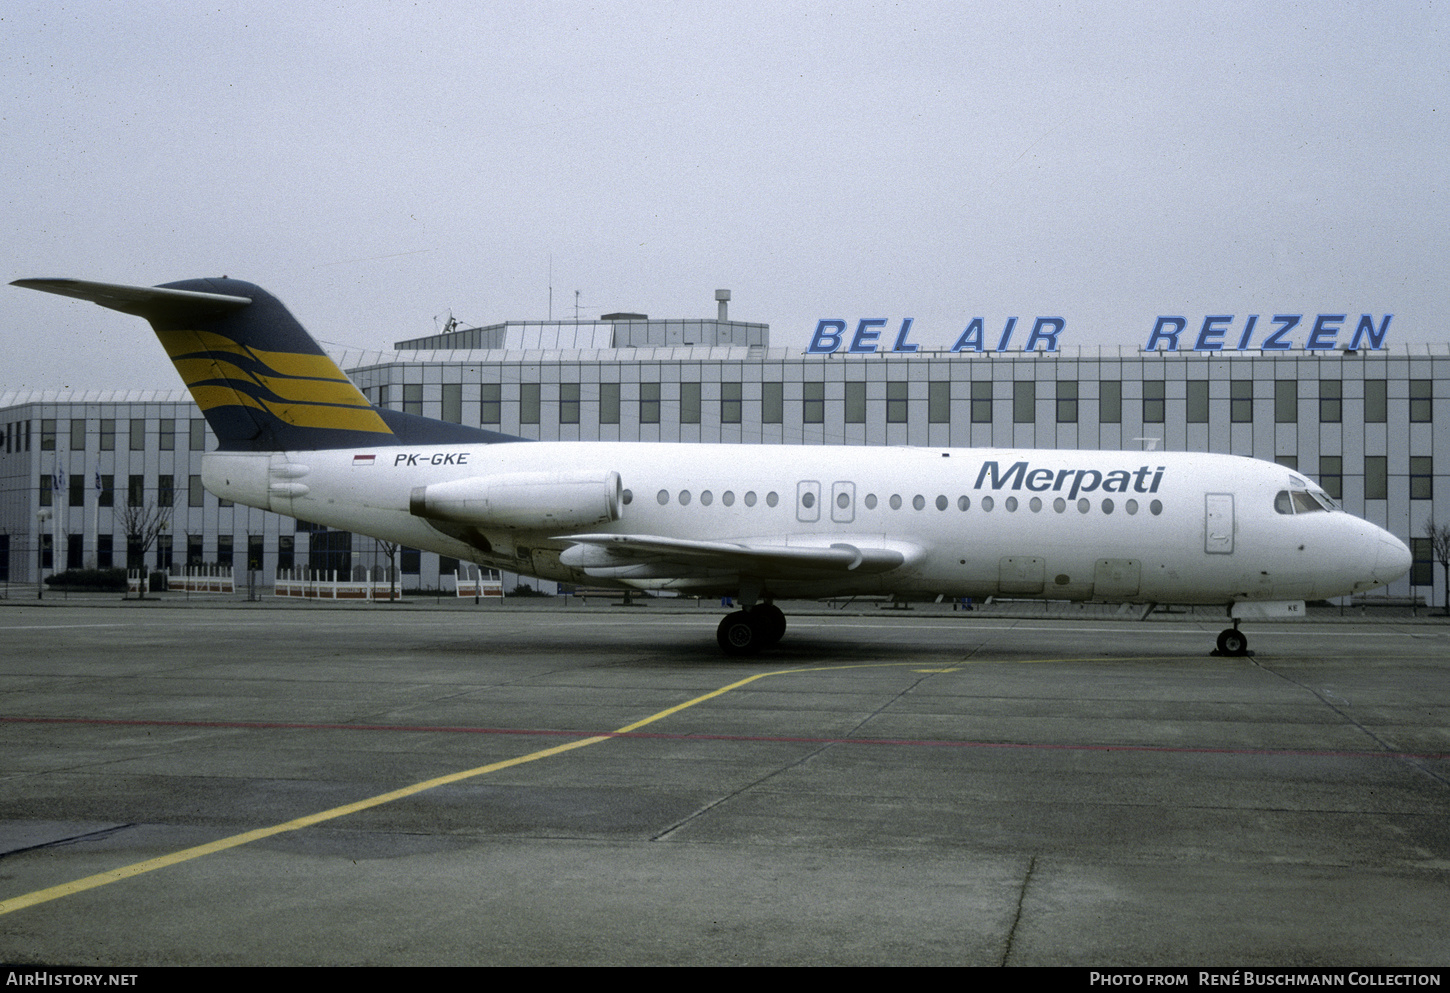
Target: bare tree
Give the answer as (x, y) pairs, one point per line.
(390, 549)
(142, 523)
(1439, 535)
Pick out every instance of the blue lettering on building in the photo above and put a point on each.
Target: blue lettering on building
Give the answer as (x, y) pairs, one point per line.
(1213, 335)
(1217, 333)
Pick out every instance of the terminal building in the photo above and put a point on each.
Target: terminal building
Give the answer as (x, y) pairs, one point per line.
(78, 469)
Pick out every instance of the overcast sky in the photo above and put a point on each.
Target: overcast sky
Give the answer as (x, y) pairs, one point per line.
(376, 165)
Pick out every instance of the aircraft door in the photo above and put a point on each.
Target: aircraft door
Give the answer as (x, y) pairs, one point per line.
(808, 501)
(1218, 523)
(843, 502)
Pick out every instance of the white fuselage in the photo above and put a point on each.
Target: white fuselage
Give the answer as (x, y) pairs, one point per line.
(1061, 524)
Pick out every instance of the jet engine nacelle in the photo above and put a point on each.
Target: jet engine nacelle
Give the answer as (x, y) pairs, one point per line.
(535, 501)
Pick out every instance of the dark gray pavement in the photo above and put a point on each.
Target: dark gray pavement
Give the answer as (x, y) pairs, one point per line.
(914, 787)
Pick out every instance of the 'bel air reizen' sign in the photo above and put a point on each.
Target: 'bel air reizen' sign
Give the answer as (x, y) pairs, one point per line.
(1218, 332)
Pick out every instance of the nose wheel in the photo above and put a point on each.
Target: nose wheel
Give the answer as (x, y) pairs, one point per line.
(1232, 641)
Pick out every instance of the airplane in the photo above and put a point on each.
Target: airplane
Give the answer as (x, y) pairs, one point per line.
(757, 523)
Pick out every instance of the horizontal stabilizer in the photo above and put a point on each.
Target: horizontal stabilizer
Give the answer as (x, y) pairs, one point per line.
(150, 302)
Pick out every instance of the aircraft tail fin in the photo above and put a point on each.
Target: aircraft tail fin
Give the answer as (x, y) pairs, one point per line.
(259, 378)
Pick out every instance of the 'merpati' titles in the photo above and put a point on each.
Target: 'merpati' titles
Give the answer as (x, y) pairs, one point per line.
(1218, 332)
(1020, 476)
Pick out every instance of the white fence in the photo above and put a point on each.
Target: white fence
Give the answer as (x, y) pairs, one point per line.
(187, 579)
(319, 584)
(478, 584)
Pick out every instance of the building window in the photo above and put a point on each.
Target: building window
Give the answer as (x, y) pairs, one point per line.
(198, 434)
(286, 551)
(855, 403)
(163, 552)
(896, 403)
(78, 489)
(568, 403)
(939, 402)
(1067, 403)
(195, 493)
(47, 493)
(1024, 402)
(410, 561)
(452, 403)
(47, 434)
(1331, 401)
(1422, 566)
(107, 496)
(254, 552)
(490, 407)
(1376, 477)
(413, 399)
(1196, 406)
(1241, 401)
(608, 403)
(1286, 401)
(1153, 402)
(194, 554)
(135, 491)
(529, 403)
(224, 550)
(649, 403)
(165, 495)
(813, 396)
(981, 403)
(105, 551)
(1331, 475)
(731, 395)
(1287, 461)
(689, 403)
(138, 434)
(108, 434)
(1421, 402)
(77, 434)
(772, 403)
(1376, 401)
(1422, 477)
(166, 434)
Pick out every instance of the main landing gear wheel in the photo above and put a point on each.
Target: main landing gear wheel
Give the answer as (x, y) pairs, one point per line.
(746, 632)
(738, 636)
(1232, 641)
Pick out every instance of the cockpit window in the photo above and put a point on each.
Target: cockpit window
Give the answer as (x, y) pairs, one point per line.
(1302, 502)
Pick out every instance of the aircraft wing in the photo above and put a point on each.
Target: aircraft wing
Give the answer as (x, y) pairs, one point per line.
(645, 556)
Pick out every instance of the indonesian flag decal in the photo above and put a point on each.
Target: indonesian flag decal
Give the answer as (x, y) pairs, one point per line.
(359, 460)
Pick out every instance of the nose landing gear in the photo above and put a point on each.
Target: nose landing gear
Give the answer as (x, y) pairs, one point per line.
(1232, 641)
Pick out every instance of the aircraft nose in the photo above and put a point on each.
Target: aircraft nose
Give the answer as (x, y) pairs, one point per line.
(1392, 559)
